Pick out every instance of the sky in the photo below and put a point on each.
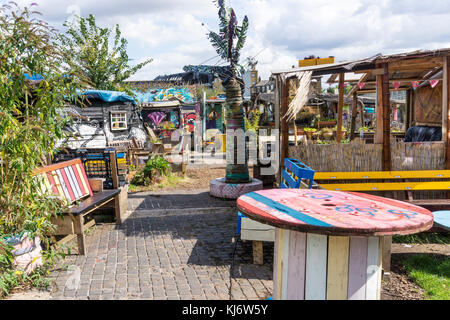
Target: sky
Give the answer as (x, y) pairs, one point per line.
(174, 32)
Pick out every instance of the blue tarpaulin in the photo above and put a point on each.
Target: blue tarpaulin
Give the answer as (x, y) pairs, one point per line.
(107, 96)
(369, 110)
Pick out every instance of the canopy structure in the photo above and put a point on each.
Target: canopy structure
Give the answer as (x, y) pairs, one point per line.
(423, 74)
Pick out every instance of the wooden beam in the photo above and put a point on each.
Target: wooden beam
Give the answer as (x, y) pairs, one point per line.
(408, 110)
(378, 137)
(354, 111)
(373, 72)
(414, 62)
(446, 85)
(444, 99)
(283, 120)
(386, 101)
(340, 108)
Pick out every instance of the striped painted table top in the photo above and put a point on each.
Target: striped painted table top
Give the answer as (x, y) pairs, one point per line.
(334, 212)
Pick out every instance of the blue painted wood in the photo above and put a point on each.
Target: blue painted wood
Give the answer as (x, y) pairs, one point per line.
(294, 171)
(442, 219)
(291, 179)
(289, 211)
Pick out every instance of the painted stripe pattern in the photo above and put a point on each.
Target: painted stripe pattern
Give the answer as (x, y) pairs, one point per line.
(69, 182)
(344, 213)
(317, 267)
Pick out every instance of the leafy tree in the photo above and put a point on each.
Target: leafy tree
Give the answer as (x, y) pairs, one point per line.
(229, 50)
(88, 50)
(33, 92)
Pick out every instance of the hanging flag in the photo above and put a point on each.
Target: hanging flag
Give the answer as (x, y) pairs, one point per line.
(396, 85)
(434, 83)
(415, 84)
(361, 85)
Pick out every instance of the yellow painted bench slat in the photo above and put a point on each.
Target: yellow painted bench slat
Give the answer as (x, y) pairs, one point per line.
(424, 174)
(433, 185)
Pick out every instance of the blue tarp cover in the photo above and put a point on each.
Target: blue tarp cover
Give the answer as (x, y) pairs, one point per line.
(108, 96)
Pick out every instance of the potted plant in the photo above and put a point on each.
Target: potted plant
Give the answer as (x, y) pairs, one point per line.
(309, 132)
(327, 122)
(327, 133)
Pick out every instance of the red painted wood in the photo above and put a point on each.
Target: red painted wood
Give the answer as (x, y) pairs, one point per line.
(346, 213)
(80, 183)
(68, 185)
(52, 183)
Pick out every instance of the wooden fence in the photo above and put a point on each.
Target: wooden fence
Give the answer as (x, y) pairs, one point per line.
(359, 156)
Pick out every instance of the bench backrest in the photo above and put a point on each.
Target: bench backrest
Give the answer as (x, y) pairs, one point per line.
(66, 180)
(293, 173)
(373, 180)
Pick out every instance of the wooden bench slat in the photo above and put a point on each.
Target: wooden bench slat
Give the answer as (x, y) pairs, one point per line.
(424, 174)
(93, 201)
(388, 186)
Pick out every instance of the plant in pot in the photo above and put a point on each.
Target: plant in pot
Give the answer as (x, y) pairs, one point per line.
(309, 132)
(327, 133)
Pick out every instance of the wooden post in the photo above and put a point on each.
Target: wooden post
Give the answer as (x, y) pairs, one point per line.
(354, 112)
(258, 257)
(408, 110)
(295, 133)
(386, 120)
(283, 120)
(378, 137)
(78, 224)
(446, 109)
(113, 162)
(340, 108)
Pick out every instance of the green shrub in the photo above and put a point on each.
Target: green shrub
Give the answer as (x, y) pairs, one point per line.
(156, 164)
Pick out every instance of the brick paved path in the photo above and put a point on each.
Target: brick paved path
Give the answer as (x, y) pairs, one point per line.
(157, 253)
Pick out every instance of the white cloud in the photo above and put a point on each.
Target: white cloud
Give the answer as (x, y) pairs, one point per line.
(281, 31)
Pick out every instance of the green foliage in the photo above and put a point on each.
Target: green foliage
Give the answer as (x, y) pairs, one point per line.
(87, 51)
(11, 278)
(424, 237)
(252, 124)
(229, 30)
(430, 272)
(156, 164)
(310, 129)
(31, 121)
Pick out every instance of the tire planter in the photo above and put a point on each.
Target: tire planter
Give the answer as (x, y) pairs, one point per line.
(27, 252)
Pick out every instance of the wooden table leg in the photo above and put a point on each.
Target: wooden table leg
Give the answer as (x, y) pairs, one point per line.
(387, 244)
(79, 230)
(258, 257)
(318, 267)
(117, 209)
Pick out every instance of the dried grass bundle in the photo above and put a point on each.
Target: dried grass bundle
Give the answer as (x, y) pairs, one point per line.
(302, 95)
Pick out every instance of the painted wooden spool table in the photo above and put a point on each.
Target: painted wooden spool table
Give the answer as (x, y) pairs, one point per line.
(328, 244)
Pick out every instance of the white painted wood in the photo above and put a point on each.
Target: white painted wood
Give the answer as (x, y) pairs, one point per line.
(316, 267)
(373, 268)
(254, 230)
(277, 264)
(285, 264)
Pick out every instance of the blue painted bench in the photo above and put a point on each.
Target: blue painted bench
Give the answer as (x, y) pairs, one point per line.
(293, 176)
(442, 219)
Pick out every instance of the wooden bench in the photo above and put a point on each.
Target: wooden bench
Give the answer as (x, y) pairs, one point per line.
(293, 175)
(68, 181)
(394, 181)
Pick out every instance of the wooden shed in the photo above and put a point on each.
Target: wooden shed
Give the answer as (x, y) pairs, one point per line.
(422, 75)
